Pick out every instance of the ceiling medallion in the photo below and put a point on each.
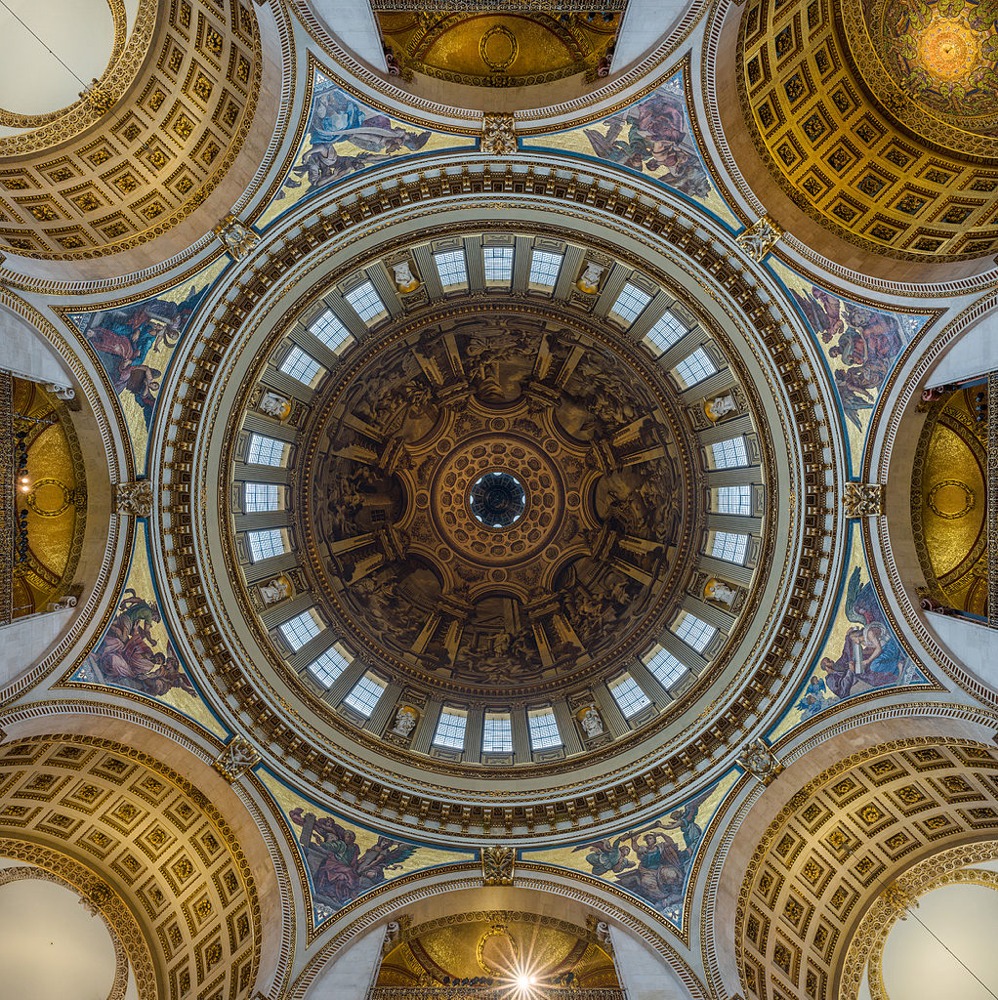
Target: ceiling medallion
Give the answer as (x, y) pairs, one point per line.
(498, 48)
(948, 49)
(497, 499)
(943, 54)
(501, 505)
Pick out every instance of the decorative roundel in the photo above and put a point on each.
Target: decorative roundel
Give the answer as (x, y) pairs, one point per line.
(514, 496)
(497, 499)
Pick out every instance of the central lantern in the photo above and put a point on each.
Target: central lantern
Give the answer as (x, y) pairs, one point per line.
(497, 499)
(505, 501)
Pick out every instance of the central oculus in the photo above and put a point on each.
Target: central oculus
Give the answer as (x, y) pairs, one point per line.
(497, 499)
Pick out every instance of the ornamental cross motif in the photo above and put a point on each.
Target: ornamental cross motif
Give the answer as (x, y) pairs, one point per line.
(238, 756)
(759, 760)
(759, 238)
(237, 238)
(134, 498)
(863, 499)
(497, 865)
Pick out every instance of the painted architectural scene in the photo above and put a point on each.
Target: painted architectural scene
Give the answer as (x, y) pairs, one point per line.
(344, 136)
(653, 861)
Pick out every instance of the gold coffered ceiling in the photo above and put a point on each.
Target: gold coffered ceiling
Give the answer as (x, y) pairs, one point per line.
(105, 175)
(897, 156)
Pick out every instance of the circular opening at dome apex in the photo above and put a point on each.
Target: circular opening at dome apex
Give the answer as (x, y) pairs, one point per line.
(497, 499)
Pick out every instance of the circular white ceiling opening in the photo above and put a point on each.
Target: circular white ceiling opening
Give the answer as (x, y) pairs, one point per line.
(51, 947)
(52, 50)
(945, 947)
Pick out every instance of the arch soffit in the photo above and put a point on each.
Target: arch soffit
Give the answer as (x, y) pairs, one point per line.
(757, 814)
(107, 459)
(888, 456)
(174, 746)
(443, 892)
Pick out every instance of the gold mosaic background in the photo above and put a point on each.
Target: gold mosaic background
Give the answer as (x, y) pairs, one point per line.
(949, 502)
(55, 504)
(147, 165)
(489, 50)
(496, 944)
(842, 158)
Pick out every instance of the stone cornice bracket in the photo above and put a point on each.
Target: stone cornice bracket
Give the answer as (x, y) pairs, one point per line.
(498, 134)
(63, 392)
(498, 864)
(863, 499)
(238, 757)
(237, 238)
(134, 498)
(759, 761)
(759, 238)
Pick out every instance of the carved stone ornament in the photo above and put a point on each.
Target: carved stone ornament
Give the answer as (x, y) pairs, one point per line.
(61, 391)
(590, 278)
(759, 238)
(863, 499)
(720, 406)
(406, 718)
(498, 134)
(278, 589)
(237, 238)
(238, 756)
(63, 604)
(274, 405)
(759, 760)
(591, 722)
(405, 280)
(134, 498)
(94, 897)
(899, 900)
(720, 592)
(497, 865)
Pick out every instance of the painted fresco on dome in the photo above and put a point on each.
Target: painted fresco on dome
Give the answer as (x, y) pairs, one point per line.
(344, 860)
(860, 345)
(136, 652)
(344, 136)
(135, 342)
(652, 860)
(653, 137)
(861, 652)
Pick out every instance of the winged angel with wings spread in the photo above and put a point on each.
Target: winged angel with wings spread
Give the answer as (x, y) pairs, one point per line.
(871, 655)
